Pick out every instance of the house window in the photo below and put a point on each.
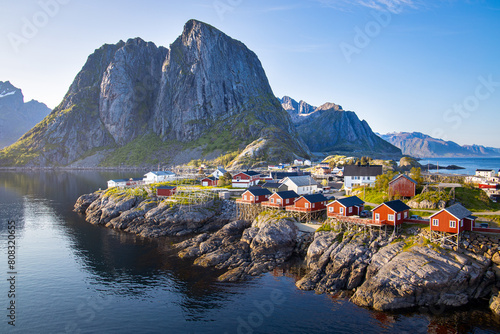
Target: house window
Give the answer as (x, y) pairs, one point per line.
(341, 211)
(245, 197)
(453, 223)
(278, 201)
(330, 209)
(350, 209)
(314, 205)
(272, 200)
(307, 205)
(377, 216)
(287, 201)
(390, 218)
(406, 214)
(399, 216)
(435, 222)
(461, 223)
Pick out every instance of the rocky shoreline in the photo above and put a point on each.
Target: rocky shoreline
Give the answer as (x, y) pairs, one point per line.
(377, 271)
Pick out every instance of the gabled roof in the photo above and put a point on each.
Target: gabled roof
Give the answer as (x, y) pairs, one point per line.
(161, 172)
(282, 175)
(404, 176)
(259, 191)
(315, 198)
(222, 170)
(287, 194)
(212, 178)
(484, 170)
(119, 180)
(350, 201)
(166, 187)
(396, 206)
(271, 185)
(355, 170)
(301, 181)
(458, 211)
(249, 173)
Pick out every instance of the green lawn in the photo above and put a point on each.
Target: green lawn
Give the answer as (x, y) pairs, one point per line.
(475, 200)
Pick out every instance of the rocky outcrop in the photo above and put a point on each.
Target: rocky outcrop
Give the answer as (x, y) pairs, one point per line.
(151, 217)
(388, 275)
(17, 116)
(244, 249)
(426, 204)
(151, 101)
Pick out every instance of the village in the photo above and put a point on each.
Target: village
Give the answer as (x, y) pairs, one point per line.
(322, 196)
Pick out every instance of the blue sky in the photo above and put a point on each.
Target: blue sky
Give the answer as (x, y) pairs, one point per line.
(402, 65)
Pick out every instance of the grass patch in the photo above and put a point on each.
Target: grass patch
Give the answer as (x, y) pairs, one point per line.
(475, 199)
(371, 195)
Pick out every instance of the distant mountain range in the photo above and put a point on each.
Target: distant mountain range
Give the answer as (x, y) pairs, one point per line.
(420, 145)
(333, 130)
(16, 116)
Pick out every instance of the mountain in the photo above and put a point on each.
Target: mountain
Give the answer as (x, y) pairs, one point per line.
(16, 116)
(135, 103)
(331, 129)
(419, 145)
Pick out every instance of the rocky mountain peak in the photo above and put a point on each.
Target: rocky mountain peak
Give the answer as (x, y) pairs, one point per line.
(206, 87)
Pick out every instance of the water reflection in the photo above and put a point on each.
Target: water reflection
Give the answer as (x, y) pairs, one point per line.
(97, 279)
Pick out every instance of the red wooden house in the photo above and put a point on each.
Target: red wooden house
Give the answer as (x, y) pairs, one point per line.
(254, 196)
(391, 213)
(245, 179)
(281, 199)
(402, 185)
(454, 219)
(209, 181)
(166, 191)
(348, 206)
(309, 203)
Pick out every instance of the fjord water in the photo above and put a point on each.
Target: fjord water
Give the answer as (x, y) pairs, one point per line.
(469, 164)
(73, 277)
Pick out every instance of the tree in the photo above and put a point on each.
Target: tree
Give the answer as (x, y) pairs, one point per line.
(416, 174)
(382, 181)
(225, 180)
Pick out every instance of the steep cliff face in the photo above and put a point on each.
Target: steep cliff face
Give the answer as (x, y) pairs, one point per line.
(129, 89)
(421, 145)
(137, 99)
(16, 116)
(329, 128)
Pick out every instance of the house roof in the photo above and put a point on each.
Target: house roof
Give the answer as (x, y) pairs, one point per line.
(259, 191)
(396, 205)
(458, 211)
(350, 201)
(301, 181)
(368, 170)
(315, 198)
(222, 170)
(211, 178)
(287, 194)
(271, 185)
(249, 173)
(166, 187)
(161, 172)
(404, 176)
(282, 175)
(485, 170)
(119, 180)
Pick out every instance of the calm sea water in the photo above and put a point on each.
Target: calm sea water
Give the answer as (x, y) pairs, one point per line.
(73, 277)
(470, 164)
